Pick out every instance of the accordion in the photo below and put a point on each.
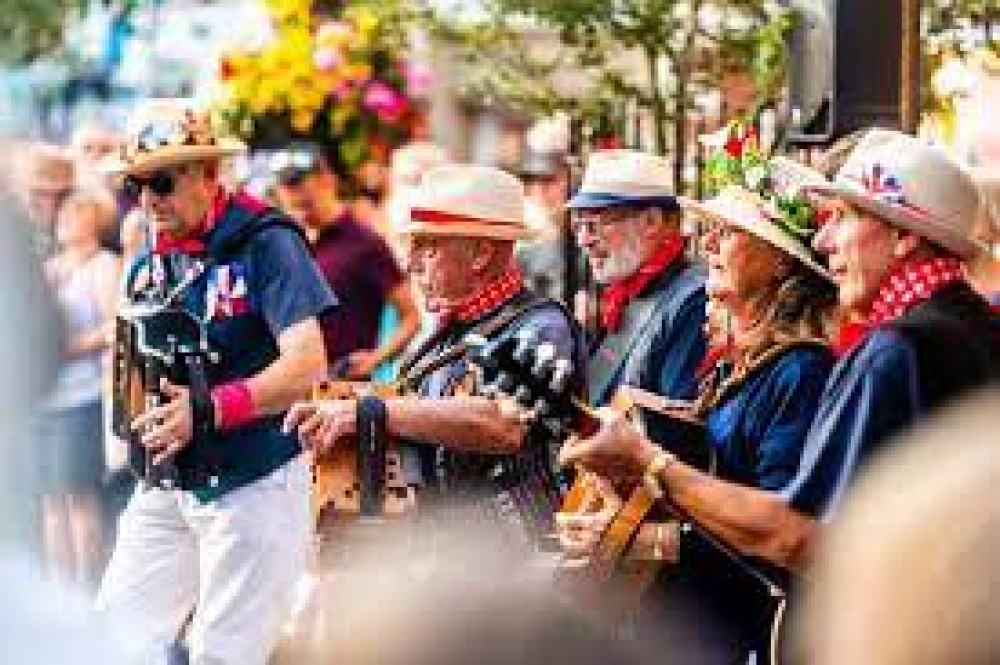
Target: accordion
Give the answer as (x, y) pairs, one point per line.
(155, 342)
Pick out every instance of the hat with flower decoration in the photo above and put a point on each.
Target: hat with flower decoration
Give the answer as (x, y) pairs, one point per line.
(168, 135)
(913, 186)
(761, 196)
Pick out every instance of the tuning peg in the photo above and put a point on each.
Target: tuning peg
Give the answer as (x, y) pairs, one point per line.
(526, 339)
(554, 426)
(504, 382)
(541, 407)
(545, 355)
(561, 375)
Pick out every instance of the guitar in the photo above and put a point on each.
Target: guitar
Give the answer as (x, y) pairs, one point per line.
(532, 374)
(363, 481)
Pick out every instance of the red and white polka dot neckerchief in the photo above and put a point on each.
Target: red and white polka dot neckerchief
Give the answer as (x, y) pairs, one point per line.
(489, 298)
(911, 283)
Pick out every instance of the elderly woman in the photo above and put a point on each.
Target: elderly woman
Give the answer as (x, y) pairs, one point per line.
(757, 399)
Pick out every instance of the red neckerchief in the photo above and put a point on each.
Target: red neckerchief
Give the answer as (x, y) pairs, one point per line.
(618, 295)
(907, 285)
(494, 294)
(194, 243)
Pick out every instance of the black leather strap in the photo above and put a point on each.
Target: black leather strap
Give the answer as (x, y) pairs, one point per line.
(371, 442)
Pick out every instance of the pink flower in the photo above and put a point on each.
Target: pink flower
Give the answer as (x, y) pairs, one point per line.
(418, 78)
(388, 104)
(327, 59)
(342, 90)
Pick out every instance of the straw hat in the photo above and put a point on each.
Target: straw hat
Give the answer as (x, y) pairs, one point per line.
(616, 178)
(913, 186)
(167, 136)
(468, 200)
(751, 212)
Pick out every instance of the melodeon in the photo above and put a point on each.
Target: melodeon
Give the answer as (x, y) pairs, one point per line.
(155, 342)
(363, 481)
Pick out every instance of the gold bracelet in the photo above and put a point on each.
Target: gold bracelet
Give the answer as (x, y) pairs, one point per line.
(650, 477)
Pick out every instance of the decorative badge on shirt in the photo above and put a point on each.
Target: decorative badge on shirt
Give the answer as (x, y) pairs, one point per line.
(226, 294)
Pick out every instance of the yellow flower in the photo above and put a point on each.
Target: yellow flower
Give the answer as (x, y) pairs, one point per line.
(302, 120)
(365, 21)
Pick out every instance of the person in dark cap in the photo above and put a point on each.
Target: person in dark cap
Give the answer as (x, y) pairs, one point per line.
(355, 260)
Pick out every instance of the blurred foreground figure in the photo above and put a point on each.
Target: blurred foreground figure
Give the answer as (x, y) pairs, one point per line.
(471, 600)
(908, 575)
(39, 625)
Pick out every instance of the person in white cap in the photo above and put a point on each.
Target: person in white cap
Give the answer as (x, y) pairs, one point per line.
(463, 223)
(220, 540)
(652, 298)
(897, 229)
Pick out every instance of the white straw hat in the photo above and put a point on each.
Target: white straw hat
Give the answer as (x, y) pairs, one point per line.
(468, 200)
(910, 185)
(616, 178)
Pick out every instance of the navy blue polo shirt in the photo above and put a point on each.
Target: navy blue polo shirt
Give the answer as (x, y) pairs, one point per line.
(247, 300)
(758, 429)
(943, 347)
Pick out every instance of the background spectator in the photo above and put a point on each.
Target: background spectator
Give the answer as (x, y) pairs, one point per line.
(70, 429)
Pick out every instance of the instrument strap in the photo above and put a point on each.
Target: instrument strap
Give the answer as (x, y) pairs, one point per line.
(419, 365)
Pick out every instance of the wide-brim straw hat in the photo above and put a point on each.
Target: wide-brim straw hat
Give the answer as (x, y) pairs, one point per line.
(625, 178)
(913, 186)
(749, 211)
(170, 136)
(469, 201)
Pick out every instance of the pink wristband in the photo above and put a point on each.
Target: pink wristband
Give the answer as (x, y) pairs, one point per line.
(233, 404)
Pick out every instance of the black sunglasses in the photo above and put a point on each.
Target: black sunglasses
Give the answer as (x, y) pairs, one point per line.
(161, 183)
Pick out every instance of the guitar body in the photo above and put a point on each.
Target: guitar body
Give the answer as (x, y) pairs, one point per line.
(624, 581)
(337, 490)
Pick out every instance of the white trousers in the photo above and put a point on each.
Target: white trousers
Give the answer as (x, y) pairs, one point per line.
(234, 561)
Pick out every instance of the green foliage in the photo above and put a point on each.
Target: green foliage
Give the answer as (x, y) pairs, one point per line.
(32, 28)
(739, 162)
(683, 53)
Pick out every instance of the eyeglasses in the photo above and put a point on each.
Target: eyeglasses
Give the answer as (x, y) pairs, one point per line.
(160, 183)
(596, 222)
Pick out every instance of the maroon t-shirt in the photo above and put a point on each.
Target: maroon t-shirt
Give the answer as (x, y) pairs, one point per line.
(362, 271)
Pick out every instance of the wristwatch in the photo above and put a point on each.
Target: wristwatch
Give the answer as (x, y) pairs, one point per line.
(650, 476)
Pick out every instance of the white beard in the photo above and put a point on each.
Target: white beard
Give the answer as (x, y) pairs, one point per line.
(622, 264)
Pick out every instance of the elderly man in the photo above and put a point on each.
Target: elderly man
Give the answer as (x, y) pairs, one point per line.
(652, 299)
(899, 216)
(224, 538)
(463, 223)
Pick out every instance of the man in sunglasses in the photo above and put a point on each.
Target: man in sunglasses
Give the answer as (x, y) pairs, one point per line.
(225, 544)
(355, 260)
